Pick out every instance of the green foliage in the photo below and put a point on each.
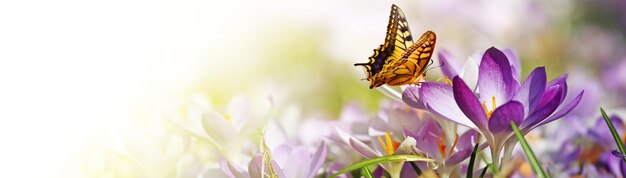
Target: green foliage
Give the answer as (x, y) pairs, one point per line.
(530, 155)
(616, 136)
(383, 159)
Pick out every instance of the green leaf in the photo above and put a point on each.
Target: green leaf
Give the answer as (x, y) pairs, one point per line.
(616, 136)
(367, 173)
(390, 158)
(530, 155)
(470, 168)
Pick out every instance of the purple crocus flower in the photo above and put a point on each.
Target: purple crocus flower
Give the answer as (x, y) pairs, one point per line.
(286, 161)
(501, 99)
(432, 140)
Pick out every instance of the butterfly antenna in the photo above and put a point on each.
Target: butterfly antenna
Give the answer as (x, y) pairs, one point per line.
(431, 62)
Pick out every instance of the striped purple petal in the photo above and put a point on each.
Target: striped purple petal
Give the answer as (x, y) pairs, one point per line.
(532, 90)
(502, 117)
(438, 99)
(410, 96)
(495, 78)
(468, 103)
(449, 66)
(543, 111)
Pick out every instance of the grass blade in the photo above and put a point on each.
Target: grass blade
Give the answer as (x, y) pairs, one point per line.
(482, 174)
(367, 173)
(616, 136)
(470, 168)
(390, 158)
(530, 155)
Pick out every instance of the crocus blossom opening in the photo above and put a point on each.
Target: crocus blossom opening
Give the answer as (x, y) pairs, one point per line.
(500, 100)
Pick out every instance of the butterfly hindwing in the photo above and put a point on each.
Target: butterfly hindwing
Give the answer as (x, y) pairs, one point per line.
(411, 67)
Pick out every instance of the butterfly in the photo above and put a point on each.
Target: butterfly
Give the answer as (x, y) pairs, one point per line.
(399, 61)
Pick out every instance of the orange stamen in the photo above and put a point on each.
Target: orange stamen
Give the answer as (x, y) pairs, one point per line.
(456, 139)
(442, 146)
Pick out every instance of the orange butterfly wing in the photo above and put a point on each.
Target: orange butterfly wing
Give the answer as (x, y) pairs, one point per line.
(397, 41)
(411, 67)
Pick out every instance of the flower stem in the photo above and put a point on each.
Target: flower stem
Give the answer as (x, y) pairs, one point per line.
(495, 159)
(508, 151)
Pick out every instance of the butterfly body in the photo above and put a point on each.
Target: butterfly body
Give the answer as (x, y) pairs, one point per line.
(399, 61)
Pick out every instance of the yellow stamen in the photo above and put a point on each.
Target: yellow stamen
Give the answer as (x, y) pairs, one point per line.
(445, 80)
(493, 107)
(382, 143)
(456, 139)
(388, 145)
(493, 103)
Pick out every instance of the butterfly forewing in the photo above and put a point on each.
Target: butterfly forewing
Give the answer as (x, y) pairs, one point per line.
(397, 40)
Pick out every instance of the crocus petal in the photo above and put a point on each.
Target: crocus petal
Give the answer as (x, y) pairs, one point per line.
(282, 154)
(470, 73)
(502, 117)
(407, 170)
(336, 167)
(449, 67)
(318, 159)
(378, 172)
(622, 168)
(438, 99)
(406, 147)
(532, 90)
(353, 112)
(495, 78)
(232, 171)
(542, 112)
(400, 119)
(467, 140)
(428, 136)
(563, 111)
(561, 82)
(300, 169)
(363, 149)
(411, 97)
(218, 127)
(516, 65)
(458, 156)
(468, 103)
(548, 96)
(255, 168)
(239, 111)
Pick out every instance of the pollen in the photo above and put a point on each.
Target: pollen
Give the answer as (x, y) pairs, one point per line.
(493, 107)
(389, 146)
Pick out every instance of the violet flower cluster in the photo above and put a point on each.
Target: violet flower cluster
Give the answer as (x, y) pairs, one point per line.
(440, 122)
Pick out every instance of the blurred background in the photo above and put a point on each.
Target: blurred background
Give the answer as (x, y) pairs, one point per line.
(81, 77)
